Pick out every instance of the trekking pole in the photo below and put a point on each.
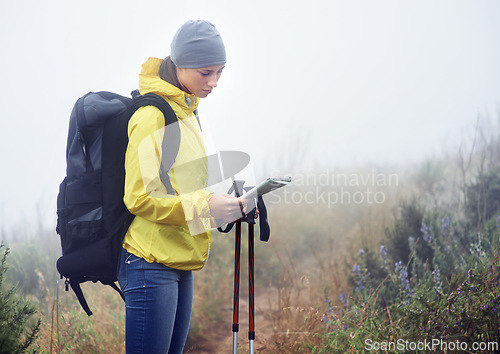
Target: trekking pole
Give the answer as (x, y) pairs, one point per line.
(236, 295)
(251, 256)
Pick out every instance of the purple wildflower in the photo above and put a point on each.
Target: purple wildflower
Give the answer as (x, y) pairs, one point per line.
(329, 311)
(402, 273)
(445, 225)
(344, 300)
(383, 252)
(426, 232)
(436, 277)
(356, 269)
(383, 255)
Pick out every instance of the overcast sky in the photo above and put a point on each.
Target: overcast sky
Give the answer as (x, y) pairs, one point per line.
(336, 82)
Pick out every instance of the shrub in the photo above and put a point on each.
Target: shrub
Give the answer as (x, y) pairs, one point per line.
(444, 290)
(467, 311)
(18, 329)
(408, 224)
(483, 198)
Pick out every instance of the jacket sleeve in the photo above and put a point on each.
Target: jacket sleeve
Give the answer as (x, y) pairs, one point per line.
(145, 194)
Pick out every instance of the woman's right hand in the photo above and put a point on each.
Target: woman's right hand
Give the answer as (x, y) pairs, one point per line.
(226, 208)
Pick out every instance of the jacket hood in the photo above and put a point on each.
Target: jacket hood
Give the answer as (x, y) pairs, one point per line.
(150, 81)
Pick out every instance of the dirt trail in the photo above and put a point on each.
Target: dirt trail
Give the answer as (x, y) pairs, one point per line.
(222, 337)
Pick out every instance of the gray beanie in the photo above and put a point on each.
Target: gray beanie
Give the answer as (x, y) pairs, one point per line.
(197, 44)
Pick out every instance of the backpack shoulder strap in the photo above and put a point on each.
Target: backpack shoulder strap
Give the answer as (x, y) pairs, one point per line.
(152, 99)
(171, 138)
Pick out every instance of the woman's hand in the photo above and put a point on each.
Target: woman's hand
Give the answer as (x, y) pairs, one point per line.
(226, 208)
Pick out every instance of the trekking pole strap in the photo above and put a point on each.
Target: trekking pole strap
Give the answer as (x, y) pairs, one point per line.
(265, 229)
(228, 228)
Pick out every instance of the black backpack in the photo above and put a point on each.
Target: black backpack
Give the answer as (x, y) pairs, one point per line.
(92, 218)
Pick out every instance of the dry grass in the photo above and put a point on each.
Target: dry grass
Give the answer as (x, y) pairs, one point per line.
(310, 247)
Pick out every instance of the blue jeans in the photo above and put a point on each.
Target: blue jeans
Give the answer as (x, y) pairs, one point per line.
(158, 302)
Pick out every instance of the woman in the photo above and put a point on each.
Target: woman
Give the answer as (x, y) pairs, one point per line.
(159, 251)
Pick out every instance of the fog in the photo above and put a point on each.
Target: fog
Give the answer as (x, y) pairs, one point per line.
(308, 86)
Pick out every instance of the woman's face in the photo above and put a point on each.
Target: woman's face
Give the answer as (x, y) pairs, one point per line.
(200, 81)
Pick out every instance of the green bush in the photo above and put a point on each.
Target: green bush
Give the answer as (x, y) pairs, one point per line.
(483, 198)
(467, 311)
(435, 280)
(407, 225)
(18, 329)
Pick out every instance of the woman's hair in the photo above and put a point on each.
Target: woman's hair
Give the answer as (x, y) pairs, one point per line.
(168, 72)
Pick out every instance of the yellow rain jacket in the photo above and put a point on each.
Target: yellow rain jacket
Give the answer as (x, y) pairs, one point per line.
(160, 231)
